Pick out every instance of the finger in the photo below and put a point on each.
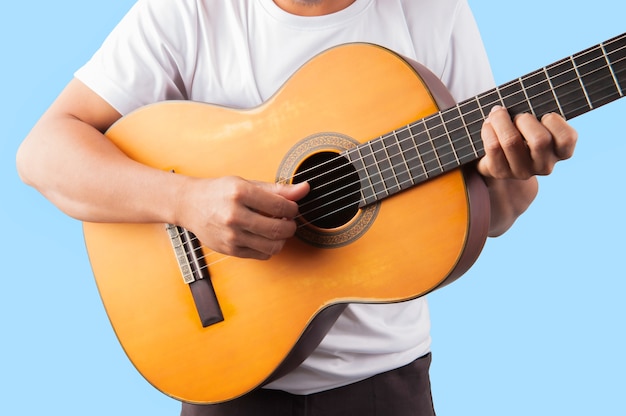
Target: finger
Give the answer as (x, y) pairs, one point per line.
(258, 248)
(276, 200)
(564, 135)
(293, 192)
(263, 233)
(267, 236)
(540, 144)
(248, 253)
(255, 236)
(269, 228)
(494, 164)
(512, 143)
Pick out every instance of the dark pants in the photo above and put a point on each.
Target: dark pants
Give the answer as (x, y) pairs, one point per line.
(401, 392)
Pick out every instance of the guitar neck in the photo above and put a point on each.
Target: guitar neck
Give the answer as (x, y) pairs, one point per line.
(451, 138)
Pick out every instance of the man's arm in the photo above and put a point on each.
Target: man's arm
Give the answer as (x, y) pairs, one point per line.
(69, 160)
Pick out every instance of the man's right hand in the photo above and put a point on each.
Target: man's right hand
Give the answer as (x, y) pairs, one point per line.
(238, 217)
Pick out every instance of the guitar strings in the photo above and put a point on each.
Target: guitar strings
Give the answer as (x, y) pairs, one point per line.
(611, 87)
(222, 257)
(465, 127)
(426, 173)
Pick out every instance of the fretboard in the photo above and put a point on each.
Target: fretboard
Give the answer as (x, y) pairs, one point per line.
(451, 138)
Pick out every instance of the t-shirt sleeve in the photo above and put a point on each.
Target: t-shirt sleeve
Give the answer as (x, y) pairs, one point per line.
(139, 62)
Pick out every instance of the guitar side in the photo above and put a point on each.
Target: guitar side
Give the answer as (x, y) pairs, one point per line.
(419, 240)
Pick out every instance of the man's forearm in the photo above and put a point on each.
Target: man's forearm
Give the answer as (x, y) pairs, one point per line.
(509, 198)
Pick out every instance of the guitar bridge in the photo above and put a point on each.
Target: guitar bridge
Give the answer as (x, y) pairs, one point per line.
(195, 274)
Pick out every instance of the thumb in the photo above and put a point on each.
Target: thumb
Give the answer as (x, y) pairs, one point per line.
(292, 192)
(286, 192)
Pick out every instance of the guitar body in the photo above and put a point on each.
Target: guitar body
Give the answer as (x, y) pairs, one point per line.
(401, 248)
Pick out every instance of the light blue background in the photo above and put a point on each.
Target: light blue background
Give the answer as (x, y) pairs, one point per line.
(535, 328)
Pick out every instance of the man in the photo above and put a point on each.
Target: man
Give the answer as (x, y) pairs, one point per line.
(238, 53)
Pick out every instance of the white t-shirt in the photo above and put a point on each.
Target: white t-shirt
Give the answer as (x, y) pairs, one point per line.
(238, 53)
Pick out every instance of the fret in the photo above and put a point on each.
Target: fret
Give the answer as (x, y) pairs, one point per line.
(514, 97)
(526, 98)
(556, 99)
(412, 157)
(372, 169)
(541, 97)
(368, 194)
(459, 136)
(582, 85)
(398, 163)
(441, 142)
(473, 118)
(447, 136)
(499, 92)
(480, 108)
(596, 77)
(426, 149)
(488, 100)
(383, 163)
(606, 57)
(616, 54)
(567, 88)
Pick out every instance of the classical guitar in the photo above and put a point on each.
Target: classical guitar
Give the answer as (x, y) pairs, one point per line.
(395, 209)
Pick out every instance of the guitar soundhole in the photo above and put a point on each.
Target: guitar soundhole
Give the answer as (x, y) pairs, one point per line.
(331, 215)
(335, 190)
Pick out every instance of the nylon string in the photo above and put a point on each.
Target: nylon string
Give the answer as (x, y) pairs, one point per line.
(613, 87)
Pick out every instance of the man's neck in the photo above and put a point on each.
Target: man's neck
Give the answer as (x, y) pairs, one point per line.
(312, 7)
